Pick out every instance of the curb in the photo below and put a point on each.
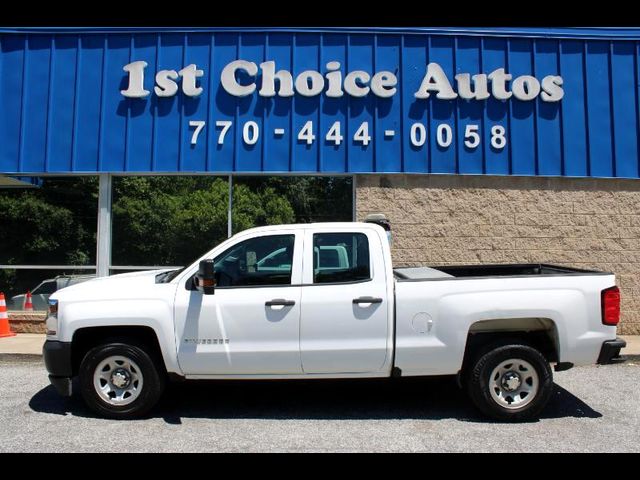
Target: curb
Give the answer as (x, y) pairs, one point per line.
(635, 357)
(31, 357)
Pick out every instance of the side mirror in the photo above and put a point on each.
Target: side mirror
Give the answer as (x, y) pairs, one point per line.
(205, 280)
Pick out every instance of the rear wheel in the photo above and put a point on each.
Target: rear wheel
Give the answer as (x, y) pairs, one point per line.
(120, 381)
(511, 382)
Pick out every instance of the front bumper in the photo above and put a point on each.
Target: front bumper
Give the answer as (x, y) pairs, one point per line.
(62, 385)
(610, 351)
(57, 360)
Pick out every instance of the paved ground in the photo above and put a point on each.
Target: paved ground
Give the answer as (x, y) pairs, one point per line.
(594, 409)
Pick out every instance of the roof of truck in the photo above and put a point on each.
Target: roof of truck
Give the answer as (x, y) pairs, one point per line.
(302, 226)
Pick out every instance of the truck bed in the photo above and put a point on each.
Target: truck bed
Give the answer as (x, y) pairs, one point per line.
(453, 272)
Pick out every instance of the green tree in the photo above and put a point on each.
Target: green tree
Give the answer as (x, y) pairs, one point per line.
(313, 199)
(54, 224)
(173, 220)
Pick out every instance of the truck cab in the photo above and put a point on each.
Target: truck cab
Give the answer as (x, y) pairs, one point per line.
(256, 310)
(316, 301)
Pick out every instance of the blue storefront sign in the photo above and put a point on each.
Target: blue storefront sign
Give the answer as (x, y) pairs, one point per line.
(557, 102)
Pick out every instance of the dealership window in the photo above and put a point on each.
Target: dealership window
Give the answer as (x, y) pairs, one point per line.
(40, 282)
(50, 230)
(48, 237)
(291, 199)
(166, 220)
(160, 221)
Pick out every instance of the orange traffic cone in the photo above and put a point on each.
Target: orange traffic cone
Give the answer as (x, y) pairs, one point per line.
(5, 329)
(28, 305)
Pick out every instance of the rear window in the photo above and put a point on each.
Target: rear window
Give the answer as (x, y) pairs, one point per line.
(340, 257)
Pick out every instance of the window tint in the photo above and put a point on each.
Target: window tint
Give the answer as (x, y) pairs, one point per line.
(280, 258)
(258, 261)
(340, 257)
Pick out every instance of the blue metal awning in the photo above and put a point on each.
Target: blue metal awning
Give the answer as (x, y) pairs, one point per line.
(63, 110)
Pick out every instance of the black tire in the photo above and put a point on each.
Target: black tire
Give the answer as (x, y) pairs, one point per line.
(479, 376)
(151, 390)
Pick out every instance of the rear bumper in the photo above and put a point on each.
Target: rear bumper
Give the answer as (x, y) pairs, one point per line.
(610, 351)
(57, 360)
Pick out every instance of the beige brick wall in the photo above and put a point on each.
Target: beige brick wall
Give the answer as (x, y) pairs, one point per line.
(585, 223)
(27, 322)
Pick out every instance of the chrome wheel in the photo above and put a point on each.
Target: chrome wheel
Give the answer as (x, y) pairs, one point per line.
(118, 380)
(514, 383)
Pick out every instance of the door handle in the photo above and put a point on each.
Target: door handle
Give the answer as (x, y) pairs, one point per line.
(279, 302)
(367, 300)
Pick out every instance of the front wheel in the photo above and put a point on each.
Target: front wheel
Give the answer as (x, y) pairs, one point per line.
(511, 383)
(120, 381)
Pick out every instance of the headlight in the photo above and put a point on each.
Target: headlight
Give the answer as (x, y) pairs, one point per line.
(52, 318)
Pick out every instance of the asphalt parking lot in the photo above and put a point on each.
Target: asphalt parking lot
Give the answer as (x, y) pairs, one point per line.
(594, 409)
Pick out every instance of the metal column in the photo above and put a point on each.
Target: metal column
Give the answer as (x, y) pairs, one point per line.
(230, 208)
(103, 252)
(354, 212)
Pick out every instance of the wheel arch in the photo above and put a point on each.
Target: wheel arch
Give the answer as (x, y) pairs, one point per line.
(539, 333)
(86, 338)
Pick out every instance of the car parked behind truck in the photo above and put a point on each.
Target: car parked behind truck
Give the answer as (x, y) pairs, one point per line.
(41, 293)
(317, 301)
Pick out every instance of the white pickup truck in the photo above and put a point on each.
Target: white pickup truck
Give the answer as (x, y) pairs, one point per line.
(323, 301)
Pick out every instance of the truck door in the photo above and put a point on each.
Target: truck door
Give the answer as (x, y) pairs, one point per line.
(344, 319)
(251, 324)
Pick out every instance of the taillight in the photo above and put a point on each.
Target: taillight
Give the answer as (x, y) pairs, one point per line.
(610, 306)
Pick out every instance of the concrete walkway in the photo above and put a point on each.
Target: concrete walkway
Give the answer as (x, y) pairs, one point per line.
(31, 344)
(22, 344)
(633, 345)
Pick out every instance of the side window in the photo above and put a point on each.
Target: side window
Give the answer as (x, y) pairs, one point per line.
(340, 257)
(258, 261)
